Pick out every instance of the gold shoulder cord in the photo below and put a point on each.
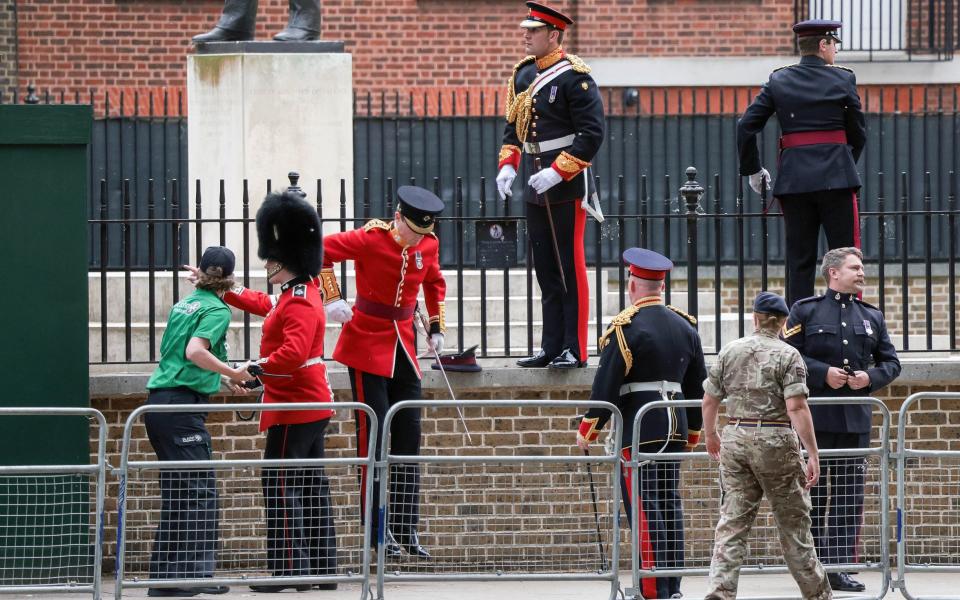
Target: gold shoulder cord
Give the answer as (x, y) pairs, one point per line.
(617, 325)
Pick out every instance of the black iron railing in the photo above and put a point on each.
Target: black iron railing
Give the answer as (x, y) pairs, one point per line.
(716, 277)
(887, 30)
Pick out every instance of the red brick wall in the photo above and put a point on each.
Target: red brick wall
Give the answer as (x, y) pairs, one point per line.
(78, 44)
(8, 46)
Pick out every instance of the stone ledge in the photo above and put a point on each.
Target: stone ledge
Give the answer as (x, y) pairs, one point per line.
(500, 373)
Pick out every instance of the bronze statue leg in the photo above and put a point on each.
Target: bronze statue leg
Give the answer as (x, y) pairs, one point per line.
(304, 22)
(237, 23)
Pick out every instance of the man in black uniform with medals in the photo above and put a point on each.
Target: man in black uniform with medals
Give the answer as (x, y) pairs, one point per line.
(651, 352)
(554, 116)
(823, 134)
(845, 344)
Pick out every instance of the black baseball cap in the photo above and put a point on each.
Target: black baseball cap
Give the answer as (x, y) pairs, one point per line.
(218, 256)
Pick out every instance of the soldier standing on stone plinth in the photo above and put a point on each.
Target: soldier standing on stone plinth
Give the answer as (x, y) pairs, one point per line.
(554, 115)
(764, 382)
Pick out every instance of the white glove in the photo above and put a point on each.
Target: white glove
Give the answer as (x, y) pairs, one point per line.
(757, 178)
(544, 180)
(436, 342)
(504, 180)
(339, 311)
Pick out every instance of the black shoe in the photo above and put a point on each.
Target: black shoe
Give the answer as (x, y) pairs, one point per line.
(218, 34)
(567, 360)
(295, 34)
(391, 549)
(273, 589)
(537, 361)
(411, 543)
(842, 582)
(326, 586)
(187, 592)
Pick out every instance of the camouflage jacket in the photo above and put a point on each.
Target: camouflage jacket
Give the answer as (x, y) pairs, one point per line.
(755, 374)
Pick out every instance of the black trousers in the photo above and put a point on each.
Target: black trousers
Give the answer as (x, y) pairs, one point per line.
(565, 315)
(660, 531)
(241, 15)
(185, 543)
(837, 533)
(301, 533)
(380, 393)
(804, 214)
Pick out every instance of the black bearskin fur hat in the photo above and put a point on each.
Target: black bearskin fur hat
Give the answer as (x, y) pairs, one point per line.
(288, 229)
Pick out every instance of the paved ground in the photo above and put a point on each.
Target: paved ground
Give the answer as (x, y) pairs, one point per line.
(766, 586)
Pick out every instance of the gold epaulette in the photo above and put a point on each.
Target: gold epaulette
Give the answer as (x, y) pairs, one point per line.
(578, 65)
(616, 326)
(842, 67)
(691, 318)
(784, 67)
(376, 224)
(511, 86)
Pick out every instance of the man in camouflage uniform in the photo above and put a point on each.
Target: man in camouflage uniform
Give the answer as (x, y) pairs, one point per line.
(764, 380)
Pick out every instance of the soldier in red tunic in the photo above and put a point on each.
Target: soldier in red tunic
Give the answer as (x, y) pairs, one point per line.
(301, 536)
(392, 262)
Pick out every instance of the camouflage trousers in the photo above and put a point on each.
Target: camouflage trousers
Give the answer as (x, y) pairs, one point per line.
(758, 461)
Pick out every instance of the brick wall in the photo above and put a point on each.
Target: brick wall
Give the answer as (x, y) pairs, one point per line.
(8, 47)
(80, 44)
(465, 506)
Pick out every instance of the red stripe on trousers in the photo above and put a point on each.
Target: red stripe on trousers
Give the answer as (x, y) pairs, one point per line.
(648, 585)
(856, 227)
(362, 438)
(580, 268)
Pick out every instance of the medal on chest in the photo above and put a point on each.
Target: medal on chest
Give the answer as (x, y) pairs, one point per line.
(866, 325)
(419, 259)
(553, 94)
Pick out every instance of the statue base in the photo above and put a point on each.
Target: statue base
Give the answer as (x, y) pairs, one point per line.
(258, 110)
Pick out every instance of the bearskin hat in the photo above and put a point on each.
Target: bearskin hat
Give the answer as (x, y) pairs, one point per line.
(289, 232)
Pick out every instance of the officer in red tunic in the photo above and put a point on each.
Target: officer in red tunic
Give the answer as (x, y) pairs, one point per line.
(392, 262)
(555, 115)
(301, 536)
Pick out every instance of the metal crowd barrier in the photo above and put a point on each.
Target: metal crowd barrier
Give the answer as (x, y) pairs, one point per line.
(699, 479)
(928, 509)
(52, 502)
(243, 558)
(509, 516)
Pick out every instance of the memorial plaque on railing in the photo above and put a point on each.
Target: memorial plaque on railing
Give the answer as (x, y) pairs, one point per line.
(496, 244)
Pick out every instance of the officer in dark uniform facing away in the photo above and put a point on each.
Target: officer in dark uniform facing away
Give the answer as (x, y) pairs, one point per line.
(823, 134)
(844, 342)
(555, 114)
(651, 352)
(193, 352)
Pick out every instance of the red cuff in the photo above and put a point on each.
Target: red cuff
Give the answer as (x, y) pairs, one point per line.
(569, 166)
(509, 155)
(588, 429)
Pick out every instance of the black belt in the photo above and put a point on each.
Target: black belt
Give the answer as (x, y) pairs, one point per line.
(757, 423)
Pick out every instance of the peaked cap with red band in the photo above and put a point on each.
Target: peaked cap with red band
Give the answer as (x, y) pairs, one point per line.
(647, 264)
(541, 15)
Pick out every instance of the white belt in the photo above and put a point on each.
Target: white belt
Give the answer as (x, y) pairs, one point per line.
(547, 146)
(663, 387)
(316, 360)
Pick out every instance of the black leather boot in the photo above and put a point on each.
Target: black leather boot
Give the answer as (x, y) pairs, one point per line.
(537, 361)
(411, 543)
(236, 24)
(567, 360)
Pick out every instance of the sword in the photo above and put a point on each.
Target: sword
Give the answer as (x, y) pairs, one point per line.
(553, 232)
(424, 326)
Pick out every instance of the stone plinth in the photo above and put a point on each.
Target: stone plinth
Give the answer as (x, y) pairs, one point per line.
(259, 111)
